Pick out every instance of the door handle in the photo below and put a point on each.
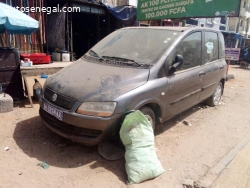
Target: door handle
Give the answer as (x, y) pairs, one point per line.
(201, 73)
(221, 67)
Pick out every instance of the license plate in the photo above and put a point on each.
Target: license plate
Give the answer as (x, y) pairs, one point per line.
(53, 111)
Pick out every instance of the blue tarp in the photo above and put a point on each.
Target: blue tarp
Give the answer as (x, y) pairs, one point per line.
(125, 14)
(235, 35)
(231, 38)
(16, 22)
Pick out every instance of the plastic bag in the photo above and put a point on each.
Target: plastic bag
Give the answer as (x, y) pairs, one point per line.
(137, 136)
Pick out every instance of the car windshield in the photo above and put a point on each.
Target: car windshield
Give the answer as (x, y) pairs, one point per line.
(137, 45)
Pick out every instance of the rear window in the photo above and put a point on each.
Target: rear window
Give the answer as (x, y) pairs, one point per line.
(221, 46)
(211, 47)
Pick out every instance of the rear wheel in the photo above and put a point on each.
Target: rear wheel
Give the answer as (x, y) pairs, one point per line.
(214, 100)
(150, 115)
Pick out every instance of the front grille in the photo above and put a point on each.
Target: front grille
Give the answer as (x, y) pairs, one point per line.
(67, 128)
(62, 101)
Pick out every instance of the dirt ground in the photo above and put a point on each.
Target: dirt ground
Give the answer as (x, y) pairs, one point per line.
(184, 151)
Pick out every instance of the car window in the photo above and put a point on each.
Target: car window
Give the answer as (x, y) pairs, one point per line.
(211, 47)
(221, 46)
(190, 50)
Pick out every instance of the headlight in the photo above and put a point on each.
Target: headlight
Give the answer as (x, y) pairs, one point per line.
(102, 109)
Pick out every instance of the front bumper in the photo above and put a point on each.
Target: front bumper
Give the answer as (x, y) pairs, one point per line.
(86, 130)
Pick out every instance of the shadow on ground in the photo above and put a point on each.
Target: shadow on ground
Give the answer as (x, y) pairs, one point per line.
(238, 67)
(37, 141)
(178, 118)
(24, 103)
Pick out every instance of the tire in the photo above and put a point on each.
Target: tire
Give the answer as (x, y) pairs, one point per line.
(214, 100)
(150, 115)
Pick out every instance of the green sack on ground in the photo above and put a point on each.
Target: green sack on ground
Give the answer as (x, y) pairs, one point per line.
(137, 136)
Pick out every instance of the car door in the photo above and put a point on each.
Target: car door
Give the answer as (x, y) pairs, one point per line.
(184, 86)
(214, 63)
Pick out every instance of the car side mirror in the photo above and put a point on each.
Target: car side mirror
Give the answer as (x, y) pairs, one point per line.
(178, 62)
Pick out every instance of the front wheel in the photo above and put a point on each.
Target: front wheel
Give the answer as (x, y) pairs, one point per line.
(149, 114)
(214, 100)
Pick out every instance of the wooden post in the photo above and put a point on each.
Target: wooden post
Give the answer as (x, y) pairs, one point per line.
(228, 63)
(183, 22)
(7, 39)
(27, 87)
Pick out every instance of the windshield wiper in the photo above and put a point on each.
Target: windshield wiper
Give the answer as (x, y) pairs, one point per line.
(123, 59)
(93, 53)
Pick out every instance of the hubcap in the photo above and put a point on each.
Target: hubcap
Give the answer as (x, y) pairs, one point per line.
(149, 119)
(217, 94)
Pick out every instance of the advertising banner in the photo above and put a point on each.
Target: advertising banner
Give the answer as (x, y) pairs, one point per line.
(232, 54)
(161, 9)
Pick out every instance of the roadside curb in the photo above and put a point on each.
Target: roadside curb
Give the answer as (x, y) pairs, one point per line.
(213, 173)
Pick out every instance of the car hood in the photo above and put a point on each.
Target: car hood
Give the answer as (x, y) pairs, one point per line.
(87, 81)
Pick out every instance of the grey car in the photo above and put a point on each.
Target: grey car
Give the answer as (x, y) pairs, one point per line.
(161, 71)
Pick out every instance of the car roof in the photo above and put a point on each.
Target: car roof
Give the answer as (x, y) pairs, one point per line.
(181, 29)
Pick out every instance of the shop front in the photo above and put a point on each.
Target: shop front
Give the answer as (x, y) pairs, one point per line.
(76, 32)
(88, 27)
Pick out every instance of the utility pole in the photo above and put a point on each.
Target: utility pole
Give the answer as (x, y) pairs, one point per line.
(238, 25)
(247, 28)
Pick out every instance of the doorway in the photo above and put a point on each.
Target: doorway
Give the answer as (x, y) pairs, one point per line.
(84, 32)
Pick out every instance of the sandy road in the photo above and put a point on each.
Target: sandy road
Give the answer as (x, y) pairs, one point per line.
(184, 151)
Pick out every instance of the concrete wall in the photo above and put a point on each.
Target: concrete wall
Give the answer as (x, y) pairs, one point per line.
(132, 2)
(232, 24)
(121, 2)
(213, 23)
(239, 24)
(115, 2)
